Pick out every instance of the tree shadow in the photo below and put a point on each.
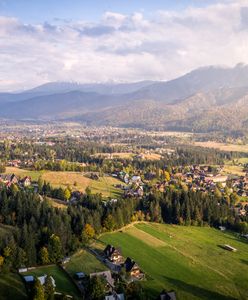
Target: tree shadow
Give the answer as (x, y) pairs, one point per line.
(196, 291)
(244, 261)
(222, 247)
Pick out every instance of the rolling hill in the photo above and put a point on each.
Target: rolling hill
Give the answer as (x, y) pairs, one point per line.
(206, 99)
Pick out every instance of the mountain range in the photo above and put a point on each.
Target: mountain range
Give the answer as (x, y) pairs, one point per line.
(207, 99)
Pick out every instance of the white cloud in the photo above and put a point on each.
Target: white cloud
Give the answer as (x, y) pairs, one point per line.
(123, 47)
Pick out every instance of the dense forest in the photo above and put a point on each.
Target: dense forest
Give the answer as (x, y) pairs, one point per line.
(34, 233)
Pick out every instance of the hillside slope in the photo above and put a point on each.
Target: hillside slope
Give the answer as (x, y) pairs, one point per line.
(189, 260)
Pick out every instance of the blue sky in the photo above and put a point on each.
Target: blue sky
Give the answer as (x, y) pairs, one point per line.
(117, 40)
(48, 10)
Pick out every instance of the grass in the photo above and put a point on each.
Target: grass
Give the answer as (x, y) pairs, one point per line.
(223, 146)
(104, 185)
(189, 260)
(129, 155)
(235, 170)
(22, 173)
(85, 262)
(63, 282)
(12, 287)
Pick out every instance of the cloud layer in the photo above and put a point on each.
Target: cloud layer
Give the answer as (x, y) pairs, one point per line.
(123, 47)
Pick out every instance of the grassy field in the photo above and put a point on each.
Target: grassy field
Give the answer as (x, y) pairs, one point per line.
(12, 287)
(235, 170)
(223, 146)
(189, 260)
(129, 155)
(22, 173)
(104, 185)
(84, 262)
(63, 282)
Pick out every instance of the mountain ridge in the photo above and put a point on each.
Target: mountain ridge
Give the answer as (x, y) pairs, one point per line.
(199, 100)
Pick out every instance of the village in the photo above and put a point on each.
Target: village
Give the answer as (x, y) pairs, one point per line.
(202, 178)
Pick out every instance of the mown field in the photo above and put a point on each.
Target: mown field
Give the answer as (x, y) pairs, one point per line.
(104, 185)
(22, 173)
(63, 282)
(223, 146)
(76, 180)
(189, 260)
(85, 262)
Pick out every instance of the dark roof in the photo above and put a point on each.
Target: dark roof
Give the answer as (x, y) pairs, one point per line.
(129, 264)
(109, 250)
(171, 295)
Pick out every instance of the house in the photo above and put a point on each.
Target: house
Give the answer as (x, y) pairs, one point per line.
(132, 267)
(65, 260)
(26, 181)
(107, 275)
(222, 228)
(171, 295)
(9, 179)
(22, 270)
(136, 179)
(42, 280)
(28, 279)
(113, 254)
(115, 296)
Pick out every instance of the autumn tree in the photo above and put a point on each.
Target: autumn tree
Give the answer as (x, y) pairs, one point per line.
(38, 291)
(44, 256)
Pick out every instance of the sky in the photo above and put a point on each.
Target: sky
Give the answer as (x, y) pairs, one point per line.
(117, 40)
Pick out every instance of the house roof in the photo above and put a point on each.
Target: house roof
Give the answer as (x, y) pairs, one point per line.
(130, 264)
(28, 278)
(106, 274)
(115, 297)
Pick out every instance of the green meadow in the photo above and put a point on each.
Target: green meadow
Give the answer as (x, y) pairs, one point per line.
(189, 260)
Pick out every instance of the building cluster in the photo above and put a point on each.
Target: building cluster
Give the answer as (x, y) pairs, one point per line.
(9, 179)
(117, 263)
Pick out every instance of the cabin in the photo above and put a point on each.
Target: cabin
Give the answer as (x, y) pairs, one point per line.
(132, 267)
(9, 179)
(65, 260)
(115, 296)
(171, 295)
(26, 181)
(230, 248)
(113, 254)
(28, 279)
(222, 228)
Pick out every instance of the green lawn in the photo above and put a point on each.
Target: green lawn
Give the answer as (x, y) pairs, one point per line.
(85, 262)
(12, 287)
(189, 260)
(63, 282)
(23, 172)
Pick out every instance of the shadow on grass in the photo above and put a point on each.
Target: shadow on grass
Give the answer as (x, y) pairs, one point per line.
(196, 291)
(244, 261)
(236, 237)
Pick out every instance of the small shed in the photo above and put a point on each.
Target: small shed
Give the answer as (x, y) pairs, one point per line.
(28, 278)
(230, 248)
(79, 275)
